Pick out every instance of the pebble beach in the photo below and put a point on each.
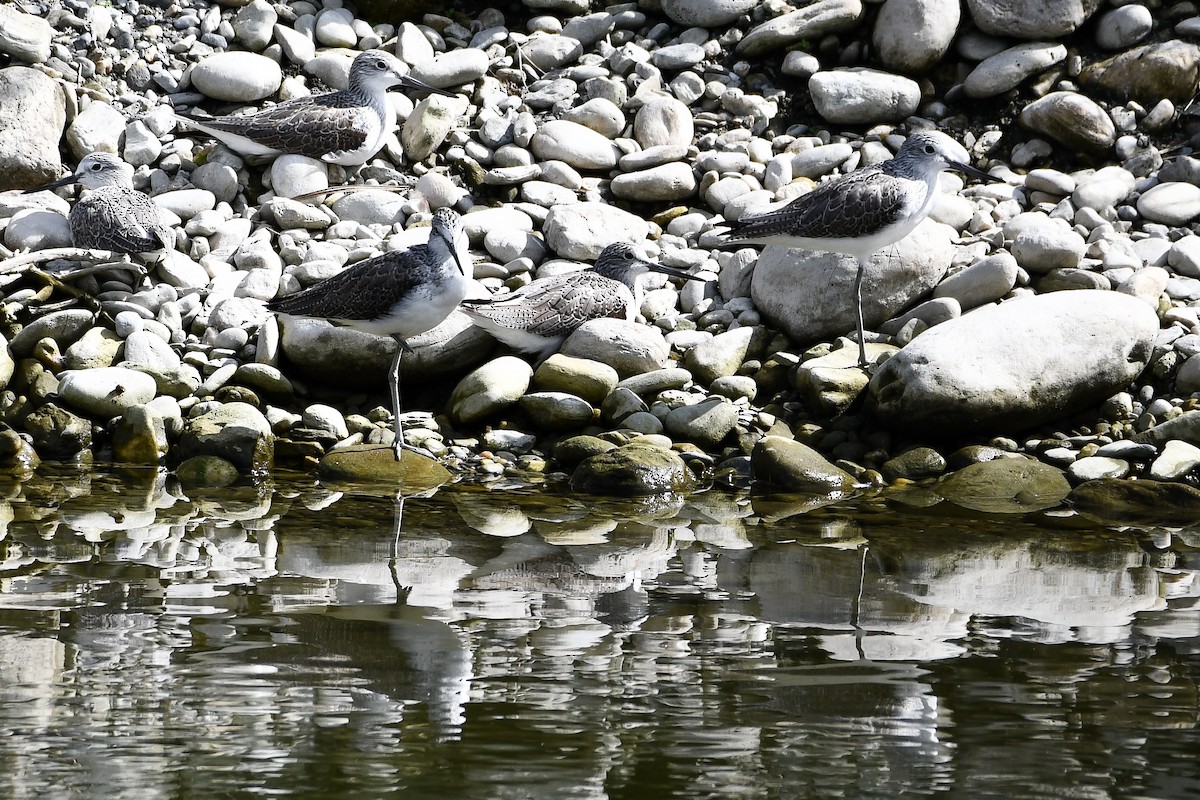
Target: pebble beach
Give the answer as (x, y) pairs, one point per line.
(1035, 340)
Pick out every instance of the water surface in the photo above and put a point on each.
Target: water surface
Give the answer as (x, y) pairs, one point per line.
(293, 640)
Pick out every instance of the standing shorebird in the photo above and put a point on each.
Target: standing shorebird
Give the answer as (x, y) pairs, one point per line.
(399, 294)
(113, 215)
(537, 317)
(861, 212)
(345, 127)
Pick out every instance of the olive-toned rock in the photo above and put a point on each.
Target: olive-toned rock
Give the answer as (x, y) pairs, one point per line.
(575, 449)
(140, 437)
(1148, 74)
(377, 465)
(719, 356)
(914, 464)
(1072, 119)
(488, 389)
(633, 469)
(557, 411)
(582, 377)
(831, 383)
(796, 467)
(17, 456)
(1006, 486)
(1125, 502)
(237, 432)
(57, 433)
(206, 472)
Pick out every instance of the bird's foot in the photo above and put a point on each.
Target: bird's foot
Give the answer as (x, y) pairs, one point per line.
(398, 448)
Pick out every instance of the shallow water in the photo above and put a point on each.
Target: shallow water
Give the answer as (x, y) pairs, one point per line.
(249, 642)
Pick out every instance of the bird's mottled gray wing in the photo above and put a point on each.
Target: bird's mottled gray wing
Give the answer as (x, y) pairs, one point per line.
(849, 207)
(119, 219)
(307, 126)
(365, 291)
(557, 306)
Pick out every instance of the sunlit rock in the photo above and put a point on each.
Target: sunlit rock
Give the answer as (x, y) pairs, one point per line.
(1006, 486)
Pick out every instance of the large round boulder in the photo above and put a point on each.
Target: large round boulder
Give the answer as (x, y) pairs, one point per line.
(1016, 365)
(810, 295)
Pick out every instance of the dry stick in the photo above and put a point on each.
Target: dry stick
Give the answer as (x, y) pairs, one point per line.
(24, 260)
(349, 187)
(101, 261)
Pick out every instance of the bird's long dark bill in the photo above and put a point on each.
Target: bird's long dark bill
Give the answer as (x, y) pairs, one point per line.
(54, 185)
(421, 86)
(674, 273)
(967, 169)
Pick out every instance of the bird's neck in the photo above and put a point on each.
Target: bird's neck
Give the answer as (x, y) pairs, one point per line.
(451, 264)
(360, 95)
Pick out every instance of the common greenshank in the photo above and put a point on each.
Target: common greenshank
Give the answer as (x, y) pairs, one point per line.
(861, 212)
(113, 215)
(537, 317)
(345, 127)
(398, 294)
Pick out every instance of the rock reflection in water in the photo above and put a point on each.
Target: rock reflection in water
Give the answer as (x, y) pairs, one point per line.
(495, 642)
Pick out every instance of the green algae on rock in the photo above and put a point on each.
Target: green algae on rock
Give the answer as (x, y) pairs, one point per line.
(633, 469)
(796, 467)
(1006, 486)
(377, 465)
(1120, 501)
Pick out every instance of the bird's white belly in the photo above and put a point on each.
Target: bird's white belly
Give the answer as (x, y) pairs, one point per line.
(422, 310)
(353, 158)
(373, 144)
(517, 338)
(234, 141)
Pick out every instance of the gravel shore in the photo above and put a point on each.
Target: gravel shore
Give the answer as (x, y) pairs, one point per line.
(1037, 338)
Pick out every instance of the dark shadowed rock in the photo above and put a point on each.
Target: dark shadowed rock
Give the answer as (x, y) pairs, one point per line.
(1117, 501)
(57, 433)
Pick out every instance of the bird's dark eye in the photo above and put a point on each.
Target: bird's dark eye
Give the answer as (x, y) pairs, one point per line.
(929, 149)
(97, 167)
(380, 64)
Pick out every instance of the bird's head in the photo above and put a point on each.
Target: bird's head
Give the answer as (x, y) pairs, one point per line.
(94, 171)
(378, 70)
(620, 262)
(935, 151)
(447, 231)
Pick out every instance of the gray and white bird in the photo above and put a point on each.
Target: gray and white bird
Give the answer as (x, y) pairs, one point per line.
(861, 212)
(399, 294)
(539, 316)
(345, 127)
(113, 215)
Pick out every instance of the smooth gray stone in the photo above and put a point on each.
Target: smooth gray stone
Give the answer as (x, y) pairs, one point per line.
(972, 375)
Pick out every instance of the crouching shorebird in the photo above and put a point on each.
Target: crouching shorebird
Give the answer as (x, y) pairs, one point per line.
(345, 127)
(537, 317)
(113, 215)
(861, 212)
(398, 294)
